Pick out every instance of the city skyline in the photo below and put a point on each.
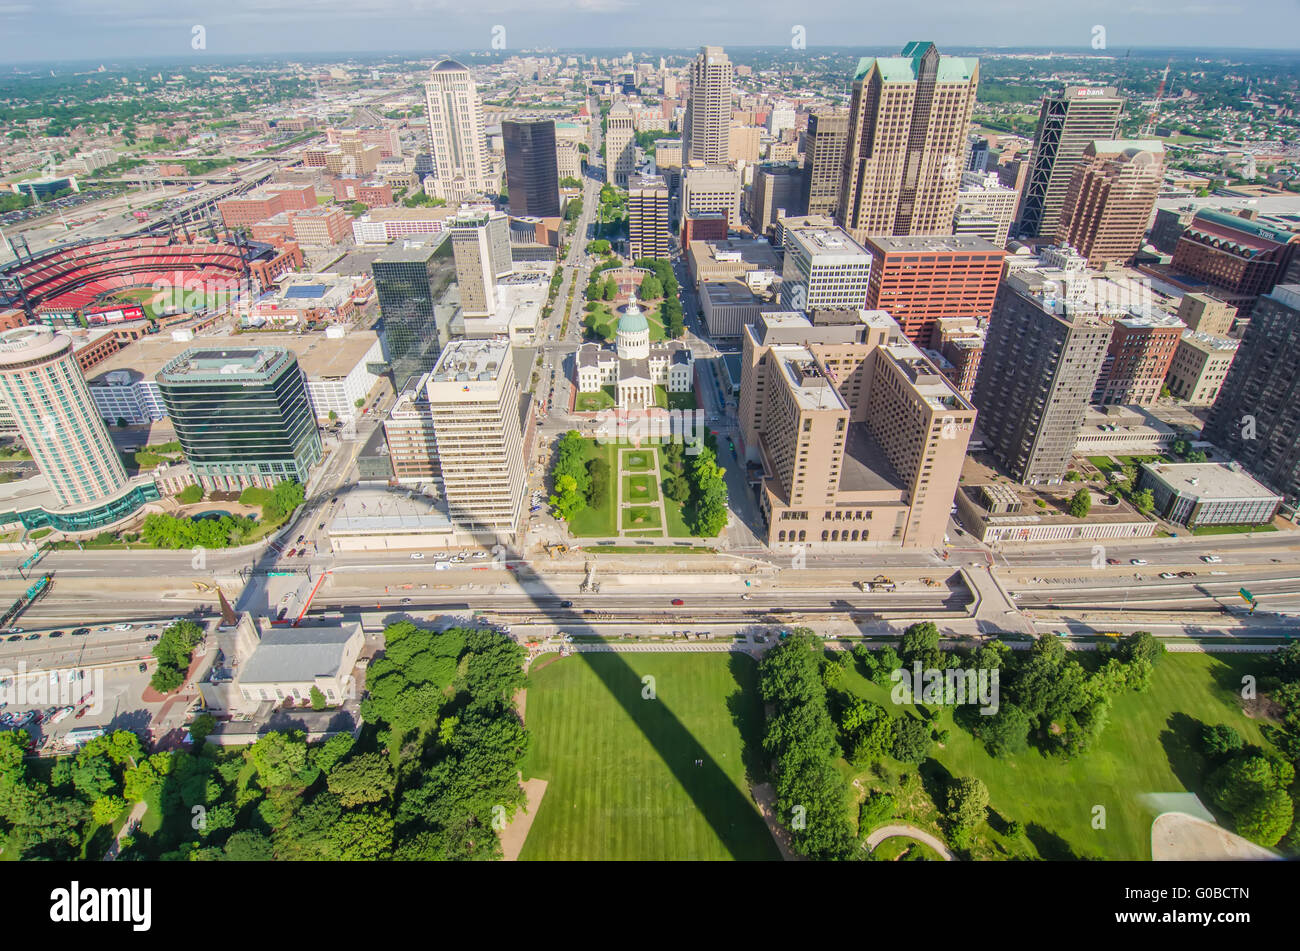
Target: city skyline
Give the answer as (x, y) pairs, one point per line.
(74, 29)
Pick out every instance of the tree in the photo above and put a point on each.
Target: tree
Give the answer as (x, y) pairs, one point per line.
(968, 803)
(1220, 740)
(599, 246)
(1143, 501)
(1006, 732)
(248, 846)
(911, 740)
(598, 473)
(650, 288)
(610, 289)
(363, 779)
(567, 500)
(868, 732)
(317, 698)
(921, 642)
(333, 416)
(1080, 503)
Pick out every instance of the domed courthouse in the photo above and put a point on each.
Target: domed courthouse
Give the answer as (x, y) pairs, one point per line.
(636, 366)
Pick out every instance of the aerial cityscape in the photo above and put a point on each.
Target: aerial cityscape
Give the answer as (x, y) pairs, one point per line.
(551, 446)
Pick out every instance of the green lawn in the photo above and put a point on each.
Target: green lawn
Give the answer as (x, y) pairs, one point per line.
(600, 519)
(668, 400)
(1232, 529)
(621, 773)
(1149, 747)
(641, 517)
(640, 488)
(595, 402)
(638, 460)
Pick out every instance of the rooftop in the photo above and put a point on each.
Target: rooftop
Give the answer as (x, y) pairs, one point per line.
(830, 245)
(935, 244)
(1214, 480)
(295, 654)
(464, 360)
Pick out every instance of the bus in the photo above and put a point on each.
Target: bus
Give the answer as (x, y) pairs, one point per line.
(82, 735)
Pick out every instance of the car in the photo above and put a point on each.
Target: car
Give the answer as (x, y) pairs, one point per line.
(745, 597)
(101, 630)
(300, 538)
(1137, 561)
(144, 668)
(1112, 561)
(678, 602)
(34, 636)
(320, 527)
(441, 565)
(566, 604)
(333, 500)
(15, 637)
(479, 554)
(1187, 574)
(123, 627)
(417, 556)
(1211, 559)
(301, 552)
(1168, 574)
(81, 632)
(291, 552)
(150, 637)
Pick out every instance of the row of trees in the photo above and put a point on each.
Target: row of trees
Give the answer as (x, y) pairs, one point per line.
(575, 480)
(168, 531)
(430, 776)
(699, 480)
(173, 651)
(666, 285)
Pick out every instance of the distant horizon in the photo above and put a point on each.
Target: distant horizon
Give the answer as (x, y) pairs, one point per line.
(51, 31)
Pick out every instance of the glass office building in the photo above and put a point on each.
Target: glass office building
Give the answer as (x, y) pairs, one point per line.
(415, 286)
(242, 416)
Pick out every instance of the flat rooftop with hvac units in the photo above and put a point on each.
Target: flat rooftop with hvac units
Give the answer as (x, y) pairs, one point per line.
(1208, 493)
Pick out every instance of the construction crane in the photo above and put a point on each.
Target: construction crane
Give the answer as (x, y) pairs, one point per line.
(1150, 127)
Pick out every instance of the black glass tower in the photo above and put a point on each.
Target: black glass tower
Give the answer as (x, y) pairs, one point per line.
(532, 167)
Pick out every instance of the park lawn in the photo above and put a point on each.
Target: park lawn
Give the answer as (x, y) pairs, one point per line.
(904, 848)
(667, 400)
(638, 460)
(1149, 747)
(676, 516)
(640, 517)
(600, 519)
(621, 773)
(640, 488)
(1232, 529)
(595, 402)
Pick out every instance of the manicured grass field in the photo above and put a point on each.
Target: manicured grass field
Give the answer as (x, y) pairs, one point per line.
(1232, 529)
(602, 518)
(640, 488)
(637, 460)
(621, 773)
(595, 402)
(1150, 746)
(667, 400)
(641, 517)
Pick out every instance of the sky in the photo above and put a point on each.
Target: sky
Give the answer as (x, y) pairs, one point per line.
(118, 29)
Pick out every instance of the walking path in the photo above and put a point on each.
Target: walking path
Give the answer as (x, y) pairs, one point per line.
(911, 832)
(132, 822)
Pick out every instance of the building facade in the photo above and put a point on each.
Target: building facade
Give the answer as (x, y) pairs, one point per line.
(532, 170)
(456, 138)
(705, 131)
(1141, 349)
(1199, 367)
(620, 144)
(410, 282)
(1111, 197)
(823, 161)
(824, 269)
(907, 134)
(648, 217)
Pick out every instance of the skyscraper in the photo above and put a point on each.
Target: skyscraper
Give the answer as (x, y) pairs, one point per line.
(823, 163)
(1039, 368)
(456, 140)
(410, 282)
(52, 407)
(824, 269)
(620, 144)
(647, 217)
(707, 127)
(475, 409)
(1256, 418)
(481, 247)
(907, 135)
(242, 416)
(1110, 199)
(1067, 122)
(532, 167)
(774, 194)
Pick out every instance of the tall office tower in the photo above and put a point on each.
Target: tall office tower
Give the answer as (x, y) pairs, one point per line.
(1067, 122)
(781, 118)
(1040, 366)
(919, 281)
(1206, 313)
(647, 217)
(860, 439)
(620, 144)
(824, 269)
(1142, 346)
(706, 131)
(985, 208)
(1110, 199)
(907, 134)
(774, 194)
(532, 167)
(242, 417)
(408, 430)
(411, 280)
(42, 384)
(475, 407)
(1199, 367)
(456, 139)
(708, 189)
(823, 161)
(1256, 419)
(480, 242)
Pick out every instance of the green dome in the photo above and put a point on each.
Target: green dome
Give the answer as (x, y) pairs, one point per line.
(633, 321)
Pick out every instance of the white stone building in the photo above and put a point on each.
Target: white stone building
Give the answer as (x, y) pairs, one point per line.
(636, 366)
